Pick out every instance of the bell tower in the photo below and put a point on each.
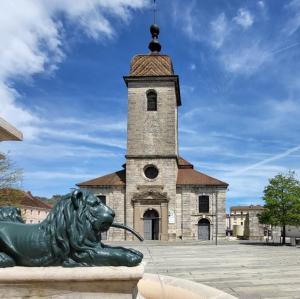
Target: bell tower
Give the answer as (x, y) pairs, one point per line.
(152, 141)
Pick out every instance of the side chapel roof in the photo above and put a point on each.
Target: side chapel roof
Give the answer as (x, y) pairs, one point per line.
(112, 179)
(186, 176)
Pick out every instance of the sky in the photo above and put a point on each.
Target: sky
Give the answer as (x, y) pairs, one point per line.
(62, 64)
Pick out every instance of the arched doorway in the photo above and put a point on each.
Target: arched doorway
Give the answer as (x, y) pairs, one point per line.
(151, 225)
(203, 229)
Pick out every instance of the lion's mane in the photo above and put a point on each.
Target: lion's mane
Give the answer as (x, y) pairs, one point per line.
(68, 227)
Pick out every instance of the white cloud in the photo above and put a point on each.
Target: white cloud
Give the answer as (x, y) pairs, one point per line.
(32, 42)
(187, 15)
(293, 23)
(219, 30)
(193, 66)
(75, 136)
(244, 60)
(244, 18)
(261, 4)
(15, 114)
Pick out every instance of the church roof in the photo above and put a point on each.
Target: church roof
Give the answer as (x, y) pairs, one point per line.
(113, 179)
(184, 163)
(151, 65)
(194, 177)
(186, 176)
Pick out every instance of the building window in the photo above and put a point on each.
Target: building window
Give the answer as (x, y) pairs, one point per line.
(151, 101)
(102, 198)
(203, 204)
(151, 172)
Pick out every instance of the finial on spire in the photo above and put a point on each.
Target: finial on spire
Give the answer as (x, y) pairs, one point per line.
(154, 45)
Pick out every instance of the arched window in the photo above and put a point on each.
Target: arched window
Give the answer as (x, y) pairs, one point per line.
(203, 204)
(151, 100)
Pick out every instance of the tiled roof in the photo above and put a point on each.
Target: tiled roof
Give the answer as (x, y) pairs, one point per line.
(25, 198)
(189, 176)
(246, 208)
(186, 176)
(151, 65)
(112, 179)
(30, 201)
(184, 164)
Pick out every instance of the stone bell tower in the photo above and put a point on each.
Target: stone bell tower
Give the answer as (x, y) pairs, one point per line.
(152, 142)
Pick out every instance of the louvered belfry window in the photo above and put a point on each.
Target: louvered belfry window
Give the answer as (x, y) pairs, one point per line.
(151, 101)
(203, 204)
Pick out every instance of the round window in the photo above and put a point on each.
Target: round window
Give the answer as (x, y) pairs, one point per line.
(151, 172)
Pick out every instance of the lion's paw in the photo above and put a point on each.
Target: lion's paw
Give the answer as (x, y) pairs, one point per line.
(6, 261)
(134, 257)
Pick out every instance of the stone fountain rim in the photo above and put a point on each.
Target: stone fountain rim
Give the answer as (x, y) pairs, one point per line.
(62, 274)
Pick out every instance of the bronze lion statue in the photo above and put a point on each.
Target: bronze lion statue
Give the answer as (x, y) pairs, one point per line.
(70, 236)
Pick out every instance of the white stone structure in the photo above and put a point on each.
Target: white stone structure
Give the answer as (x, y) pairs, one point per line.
(8, 132)
(158, 193)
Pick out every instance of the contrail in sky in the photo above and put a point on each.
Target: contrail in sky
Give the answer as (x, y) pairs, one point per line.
(266, 161)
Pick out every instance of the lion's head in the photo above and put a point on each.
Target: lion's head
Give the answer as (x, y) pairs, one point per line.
(76, 222)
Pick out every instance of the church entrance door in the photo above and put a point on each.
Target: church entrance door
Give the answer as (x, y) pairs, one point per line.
(151, 225)
(203, 229)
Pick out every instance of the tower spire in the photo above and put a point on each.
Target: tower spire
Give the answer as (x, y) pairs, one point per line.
(154, 45)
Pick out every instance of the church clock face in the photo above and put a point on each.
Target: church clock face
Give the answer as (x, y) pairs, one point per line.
(151, 172)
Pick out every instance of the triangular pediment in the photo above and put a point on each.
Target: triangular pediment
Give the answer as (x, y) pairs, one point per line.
(150, 195)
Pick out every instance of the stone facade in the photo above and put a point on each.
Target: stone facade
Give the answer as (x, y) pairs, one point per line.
(34, 215)
(189, 216)
(153, 132)
(245, 223)
(163, 204)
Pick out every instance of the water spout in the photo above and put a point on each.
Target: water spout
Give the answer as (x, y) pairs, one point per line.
(123, 226)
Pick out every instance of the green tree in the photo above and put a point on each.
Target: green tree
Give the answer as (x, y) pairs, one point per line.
(10, 180)
(282, 202)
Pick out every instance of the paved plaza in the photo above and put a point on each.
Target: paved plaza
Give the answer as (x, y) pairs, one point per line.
(244, 270)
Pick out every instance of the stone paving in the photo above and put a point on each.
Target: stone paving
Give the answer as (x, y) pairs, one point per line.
(243, 269)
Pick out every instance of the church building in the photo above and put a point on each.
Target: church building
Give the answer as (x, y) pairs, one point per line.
(157, 192)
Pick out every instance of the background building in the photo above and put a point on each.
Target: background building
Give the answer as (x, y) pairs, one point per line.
(244, 222)
(157, 192)
(33, 210)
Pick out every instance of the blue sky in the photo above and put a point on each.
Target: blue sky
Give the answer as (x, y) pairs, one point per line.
(61, 68)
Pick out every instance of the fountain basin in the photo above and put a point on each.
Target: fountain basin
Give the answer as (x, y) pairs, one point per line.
(80, 282)
(155, 286)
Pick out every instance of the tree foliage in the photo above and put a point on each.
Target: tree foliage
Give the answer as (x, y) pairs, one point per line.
(10, 179)
(10, 176)
(282, 202)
